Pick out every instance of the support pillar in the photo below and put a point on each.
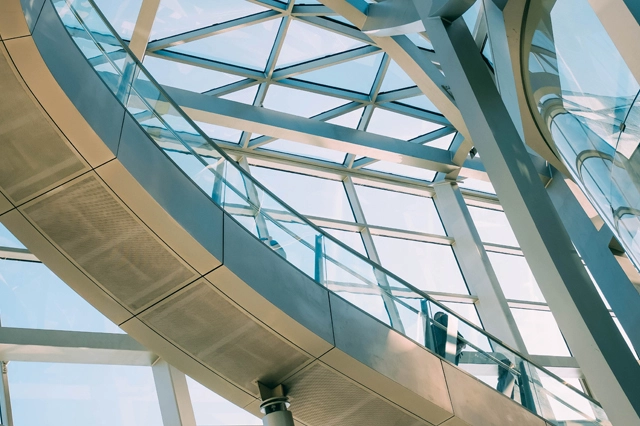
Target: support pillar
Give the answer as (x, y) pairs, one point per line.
(275, 406)
(588, 328)
(475, 265)
(173, 395)
(6, 418)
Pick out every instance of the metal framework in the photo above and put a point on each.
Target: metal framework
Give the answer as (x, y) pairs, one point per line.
(368, 151)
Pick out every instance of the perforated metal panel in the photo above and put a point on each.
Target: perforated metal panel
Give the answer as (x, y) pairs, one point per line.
(34, 156)
(321, 396)
(102, 237)
(206, 325)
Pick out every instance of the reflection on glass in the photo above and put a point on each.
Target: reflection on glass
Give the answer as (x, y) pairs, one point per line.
(309, 195)
(540, 332)
(587, 97)
(31, 296)
(430, 267)
(493, 226)
(398, 210)
(79, 394)
(515, 277)
(291, 236)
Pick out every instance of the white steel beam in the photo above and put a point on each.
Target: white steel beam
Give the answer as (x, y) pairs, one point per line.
(173, 395)
(592, 335)
(142, 30)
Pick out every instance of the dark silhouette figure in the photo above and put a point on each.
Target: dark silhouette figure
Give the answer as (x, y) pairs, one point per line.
(506, 379)
(440, 337)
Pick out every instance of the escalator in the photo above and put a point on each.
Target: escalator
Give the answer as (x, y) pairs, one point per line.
(118, 191)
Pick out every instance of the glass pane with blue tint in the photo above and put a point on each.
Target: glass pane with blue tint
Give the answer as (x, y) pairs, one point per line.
(121, 14)
(356, 75)
(443, 142)
(471, 16)
(247, 47)
(540, 332)
(245, 96)
(427, 266)
(305, 150)
(469, 312)
(402, 170)
(308, 195)
(420, 41)
(80, 394)
(399, 126)
(8, 240)
(210, 409)
(399, 210)
(350, 119)
(493, 226)
(477, 185)
(395, 78)
(31, 296)
(304, 42)
(177, 17)
(515, 277)
(187, 77)
(351, 239)
(420, 101)
(299, 102)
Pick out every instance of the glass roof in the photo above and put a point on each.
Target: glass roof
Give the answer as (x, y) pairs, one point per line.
(312, 65)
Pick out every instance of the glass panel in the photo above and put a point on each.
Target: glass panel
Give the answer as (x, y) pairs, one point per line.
(232, 47)
(31, 296)
(394, 125)
(477, 185)
(352, 239)
(245, 96)
(179, 17)
(8, 240)
(310, 195)
(421, 102)
(305, 42)
(540, 332)
(402, 170)
(399, 210)
(493, 226)
(515, 277)
(187, 77)
(351, 119)
(211, 409)
(356, 75)
(122, 15)
(430, 267)
(79, 394)
(395, 78)
(304, 150)
(299, 102)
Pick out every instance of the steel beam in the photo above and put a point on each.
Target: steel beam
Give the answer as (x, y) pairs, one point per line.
(475, 265)
(142, 30)
(173, 395)
(593, 246)
(258, 120)
(621, 19)
(588, 328)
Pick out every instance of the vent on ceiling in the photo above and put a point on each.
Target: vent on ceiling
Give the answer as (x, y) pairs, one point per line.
(321, 396)
(103, 238)
(34, 156)
(206, 325)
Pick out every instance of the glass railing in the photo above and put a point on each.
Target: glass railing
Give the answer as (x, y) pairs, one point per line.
(314, 252)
